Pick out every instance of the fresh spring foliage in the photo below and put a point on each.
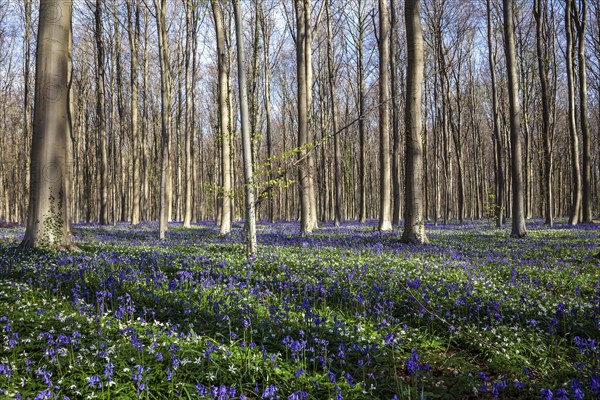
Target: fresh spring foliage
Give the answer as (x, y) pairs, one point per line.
(347, 313)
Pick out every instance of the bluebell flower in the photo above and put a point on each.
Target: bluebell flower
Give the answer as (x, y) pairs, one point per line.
(269, 392)
(298, 395)
(546, 394)
(5, 370)
(412, 363)
(576, 390)
(561, 394)
(595, 385)
(349, 378)
(94, 382)
(331, 375)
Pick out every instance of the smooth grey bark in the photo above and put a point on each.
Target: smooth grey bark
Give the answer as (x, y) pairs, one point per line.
(27, 11)
(302, 66)
(120, 185)
(575, 163)
(268, 124)
(133, 24)
(541, 27)
(362, 184)
(580, 17)
(337, 154)
(499, 142)
(101, 112)
(246, 140)
(187, 213)
(517, 212)
(385, 172)
(165, 94)
(396, 182)
(414, 223)
(47, 219)
(224, 122)
(314, 222)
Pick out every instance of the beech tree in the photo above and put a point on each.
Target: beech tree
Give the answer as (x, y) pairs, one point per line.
(580, 21)
(414, 221)
(304, 84)
(48, 225)
(160, 7)
(100, 110)
(385, 172)
(133, 24)
(517, 211)
(543, 56)
(246, 140)
(224, 123)
(572, 123)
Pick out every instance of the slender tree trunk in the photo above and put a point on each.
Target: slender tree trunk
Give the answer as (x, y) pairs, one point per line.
(145, 208)
(27, 10)
(517, 212)
(541, 21)
(414, 223)
(575, 164)
(189, 12)
(133, 20)
(268, 123)
(314, 222)
(47, 219)
(396, 182)
(385, 172)
(246, 140)
(362, 184)
(337, 175)
(100, 113)
(302, 42)
(499, 156)
(580, 24)
(224, 123)
(120, 185)
(165, 92)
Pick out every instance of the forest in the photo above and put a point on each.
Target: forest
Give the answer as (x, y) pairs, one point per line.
(299, 199)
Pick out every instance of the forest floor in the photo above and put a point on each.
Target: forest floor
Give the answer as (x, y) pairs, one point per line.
(345, 313)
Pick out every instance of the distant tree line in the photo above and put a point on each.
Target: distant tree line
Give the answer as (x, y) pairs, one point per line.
(316, 110)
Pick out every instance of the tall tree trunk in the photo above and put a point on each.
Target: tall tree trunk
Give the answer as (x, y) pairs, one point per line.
(268, 128)
(314, 222)
(27, 11)
(517, 212)
(541, 21)
(362, 184)
(414, 223)
(575, 164)
(302, 42)
(385, 173)
(165, 94)
(47, 219)
(133, 21)
(580, 15)
(189, 36)
(337, 155)
(224, 123)
(246, 140)
(122, 190)
(396, 183)
(499, 156)
(101, 113)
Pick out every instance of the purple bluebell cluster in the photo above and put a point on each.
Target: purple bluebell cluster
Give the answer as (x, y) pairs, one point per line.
(344, 313)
